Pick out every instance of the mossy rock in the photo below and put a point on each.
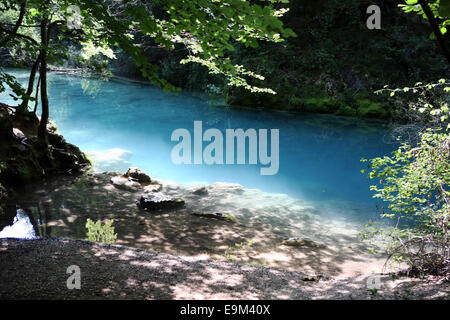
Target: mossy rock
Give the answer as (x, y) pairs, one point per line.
(370, 109)
(346, 111)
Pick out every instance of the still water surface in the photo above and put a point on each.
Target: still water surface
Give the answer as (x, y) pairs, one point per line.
(122, 124)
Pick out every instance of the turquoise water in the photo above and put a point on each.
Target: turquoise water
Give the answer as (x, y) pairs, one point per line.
(319, 155)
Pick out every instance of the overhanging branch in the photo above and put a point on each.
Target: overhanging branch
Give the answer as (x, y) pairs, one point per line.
(18, 35)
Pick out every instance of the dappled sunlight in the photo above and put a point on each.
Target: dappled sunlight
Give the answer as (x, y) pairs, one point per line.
(330, 246)
(110, 271)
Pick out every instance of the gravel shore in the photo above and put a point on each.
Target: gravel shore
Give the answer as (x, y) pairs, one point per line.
(37, 269)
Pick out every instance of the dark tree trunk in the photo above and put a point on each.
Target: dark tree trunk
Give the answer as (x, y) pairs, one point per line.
(435, 26)
(42, 130)
(22, 108)
(18, 23)
(36, 102)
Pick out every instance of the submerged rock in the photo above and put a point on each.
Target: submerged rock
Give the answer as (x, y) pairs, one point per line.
(225, 187)
(138, 175)
(152, 188)
(202, 191)
(217, 215)
(125, 184)
(159, 201)
(298, 242)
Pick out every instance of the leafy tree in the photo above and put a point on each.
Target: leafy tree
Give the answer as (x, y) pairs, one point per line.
(415, 181)
(437, 12)
(208, 28)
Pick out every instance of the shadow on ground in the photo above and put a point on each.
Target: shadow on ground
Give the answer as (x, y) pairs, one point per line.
(36, 269)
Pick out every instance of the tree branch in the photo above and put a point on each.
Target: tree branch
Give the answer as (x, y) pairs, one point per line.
(18, 22)
(19, 35)
(435, 26)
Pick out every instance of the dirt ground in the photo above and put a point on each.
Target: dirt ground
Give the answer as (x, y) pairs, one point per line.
(37, 269)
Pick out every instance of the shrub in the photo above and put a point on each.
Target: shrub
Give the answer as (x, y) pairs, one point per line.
(415, 182)
(98, 232)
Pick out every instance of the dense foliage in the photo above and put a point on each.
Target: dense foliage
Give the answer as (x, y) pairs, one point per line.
(332, 66)
(208, 29)
(415, 181)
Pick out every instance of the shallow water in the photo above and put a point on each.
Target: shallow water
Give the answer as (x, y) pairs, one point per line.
(122, 124)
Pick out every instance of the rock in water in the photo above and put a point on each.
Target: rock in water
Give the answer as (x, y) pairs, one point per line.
(159, 201)
(202, 191)
(137, 174)
(152, 188)
(298, 242)
(125, 184)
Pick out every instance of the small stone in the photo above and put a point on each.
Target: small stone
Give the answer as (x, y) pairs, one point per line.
(18, 133)
(298, 242)
(152, 188)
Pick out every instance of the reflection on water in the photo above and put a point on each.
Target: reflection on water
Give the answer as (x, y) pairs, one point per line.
(319, 192)
(129, 124)
(21, 227)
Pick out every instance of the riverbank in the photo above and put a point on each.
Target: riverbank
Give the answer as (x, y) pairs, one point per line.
(221, 221)
(36, 269)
